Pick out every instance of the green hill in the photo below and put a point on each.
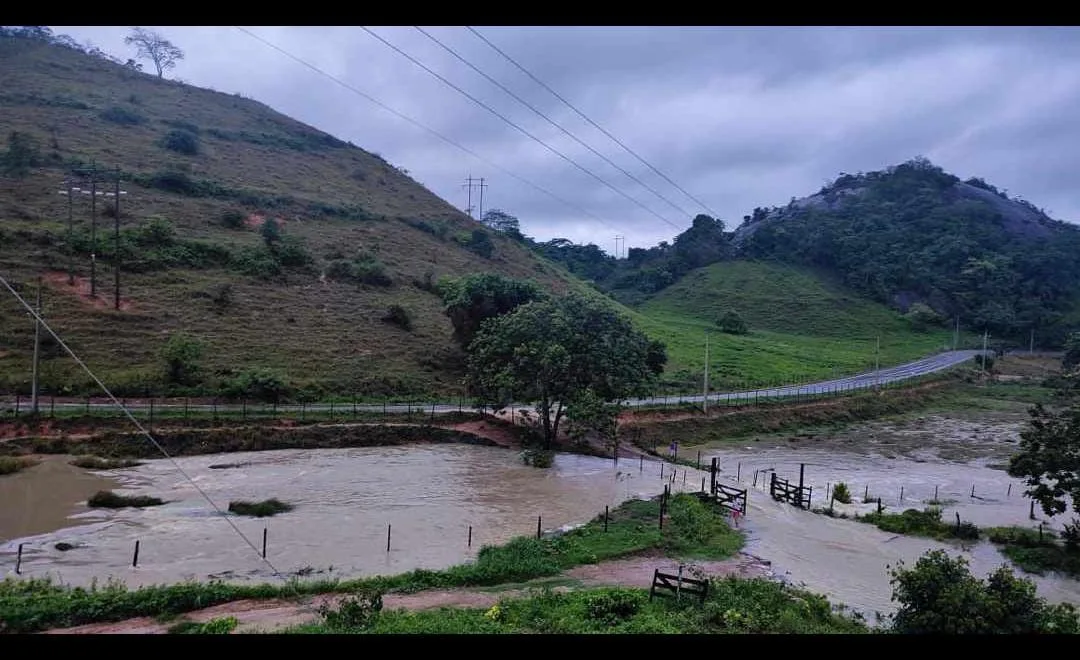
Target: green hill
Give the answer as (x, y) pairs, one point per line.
(369, 237)
(801, 325)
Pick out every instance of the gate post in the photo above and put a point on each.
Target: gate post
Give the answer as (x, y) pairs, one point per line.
(712, 476)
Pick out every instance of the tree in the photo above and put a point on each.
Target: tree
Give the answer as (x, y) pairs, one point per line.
(557, 352)
(473, 299)
(1049, 458)
(503, 222)
(22, 154)
(271, 232)
(182, 353)
(939, 595)
(154, 47)
(922, 316)
(731, 323)
(1071, 358)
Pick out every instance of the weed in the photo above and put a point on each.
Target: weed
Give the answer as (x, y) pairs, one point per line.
(353, 612)
(106, 499)
(399, 316)
(181, 141)
(921, 523)
(13, 464)
(98, 463)
(219, 626)
(263, 509)
(841, 493)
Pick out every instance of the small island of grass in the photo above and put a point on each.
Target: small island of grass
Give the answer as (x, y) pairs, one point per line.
(270, 507)
(106, 499)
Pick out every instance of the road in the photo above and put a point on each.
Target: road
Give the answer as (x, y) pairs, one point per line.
(923, 367)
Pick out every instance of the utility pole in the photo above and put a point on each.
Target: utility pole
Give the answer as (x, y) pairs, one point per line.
(93, 230)
(469, 185)
(116, 238)
(482, 185)
(37, 352)
(705, 400)
(71, 229)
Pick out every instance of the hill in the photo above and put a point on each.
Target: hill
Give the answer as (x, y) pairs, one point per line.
(800, 324)
(914, 233)
(203, 171)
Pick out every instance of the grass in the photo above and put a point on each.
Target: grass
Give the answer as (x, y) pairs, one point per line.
(98, 463)
(1035, 552)
(219, 626)
(106, 499)
(802, 326)
(925, 523)
(733, 606)
(694, 529)
(263, 509)
(13, 464)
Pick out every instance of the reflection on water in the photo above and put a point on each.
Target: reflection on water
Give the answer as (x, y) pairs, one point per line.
(848, 560)
(344, 499)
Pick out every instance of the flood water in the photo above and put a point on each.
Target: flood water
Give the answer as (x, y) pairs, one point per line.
(344, 499)
(42, 498)
(848, 560)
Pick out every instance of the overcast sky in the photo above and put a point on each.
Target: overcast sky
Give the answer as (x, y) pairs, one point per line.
(737, 117)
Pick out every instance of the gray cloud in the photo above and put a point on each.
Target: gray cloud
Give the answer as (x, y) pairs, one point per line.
(739, 117)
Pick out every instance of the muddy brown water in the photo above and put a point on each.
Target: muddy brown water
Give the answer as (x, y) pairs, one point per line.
(44, 497)
(344, 500)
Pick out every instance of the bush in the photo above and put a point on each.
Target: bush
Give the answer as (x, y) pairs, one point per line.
(106, 499)
(366, 269)
(260, 384)
(181, 141)
(731, 323)
(841, 493)
(219, 626)
(256, 262)
(175, 182)
(182, 353)
(291, 253)
(22, 153)
(922, 316)
(13, 464)
(353, 612)
(221, 295)
(96, 463)
(123, 116)
(266, 508)
(538, 458)
(399, 316)
(233, 220)
(478, 242)
(611, 608)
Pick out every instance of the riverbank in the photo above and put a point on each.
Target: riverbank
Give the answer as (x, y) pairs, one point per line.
(693, 531)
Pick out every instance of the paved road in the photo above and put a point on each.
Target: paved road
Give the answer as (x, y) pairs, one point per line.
(921, 367)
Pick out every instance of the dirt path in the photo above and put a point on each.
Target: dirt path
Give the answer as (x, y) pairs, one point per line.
(273, 615)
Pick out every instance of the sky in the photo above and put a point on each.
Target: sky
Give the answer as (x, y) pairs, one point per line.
(734, 118)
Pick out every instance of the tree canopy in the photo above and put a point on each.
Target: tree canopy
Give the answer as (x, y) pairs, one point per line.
(152, 46)
(559, 351)
(1049, 458)
(472, 299)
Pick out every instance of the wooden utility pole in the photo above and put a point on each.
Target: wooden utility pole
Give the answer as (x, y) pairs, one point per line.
(93, 230)
(469, 184)
(116, 239)
(37, 352)
(481, 185)
(705, 400)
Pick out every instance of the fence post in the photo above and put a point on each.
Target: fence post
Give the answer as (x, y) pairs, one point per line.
(605, 517)
(641, 463)
(699, 459)
(18, 561)
(901, 493)
(388, 537)
(738, 474)
(264, 544)
(538, 519)
(1031, 511)
(1008, 493)
(935, 493)
(973, 490)
(135, 559)
(470, 536)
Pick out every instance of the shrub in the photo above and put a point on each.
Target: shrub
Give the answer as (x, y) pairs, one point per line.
(182, 125)
(613, 607)
(427, 283)
(13, 464)
(266, 508)
(233, 220)
(841, 493)
(97, 463)
(219, 626)
(291, 253)
(181, 354)
(731, 323)
(175, 182)
(221, 295)
(22, 153)
(181, 141)
(106, 499)
(538, 458)
(366, 269)
(260, 384)
(399, 316)
(123, 116)
(353, 612)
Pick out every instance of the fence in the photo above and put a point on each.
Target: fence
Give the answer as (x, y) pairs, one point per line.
(783, 490)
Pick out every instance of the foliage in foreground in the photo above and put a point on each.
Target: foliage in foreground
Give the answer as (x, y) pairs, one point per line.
(263, 509)
(1036, 552)
(106, 499)
(1049, 460)
(939, 595)
(926, 523)
(734, 605)
(219, 626)
(693, 529)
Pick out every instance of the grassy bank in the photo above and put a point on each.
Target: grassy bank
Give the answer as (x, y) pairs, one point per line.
(1035, 552)
(190, 442)
(263, 509)
(98, 463)
(733, 606)
(106, 499)
(926, 523)
(694, 529)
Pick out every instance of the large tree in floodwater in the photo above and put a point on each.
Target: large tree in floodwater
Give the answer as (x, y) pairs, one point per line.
(557, 351)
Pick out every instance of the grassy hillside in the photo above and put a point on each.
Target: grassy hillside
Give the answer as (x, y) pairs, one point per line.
(339, 200)
(801, 325)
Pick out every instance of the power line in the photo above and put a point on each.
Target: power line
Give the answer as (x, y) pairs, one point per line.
(550, 121)
(519, 128)
(421, 126)
(598, 127)
(41, 323)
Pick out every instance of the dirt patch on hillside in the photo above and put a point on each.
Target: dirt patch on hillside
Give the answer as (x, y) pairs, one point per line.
(58, 281)
(273, 615)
